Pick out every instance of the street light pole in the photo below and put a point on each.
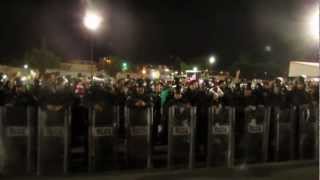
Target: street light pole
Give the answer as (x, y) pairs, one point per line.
(92, 21)
(212, 60)
(319, 34)
(92, 54)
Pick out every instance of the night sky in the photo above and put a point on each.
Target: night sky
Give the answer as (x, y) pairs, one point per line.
(156, 30)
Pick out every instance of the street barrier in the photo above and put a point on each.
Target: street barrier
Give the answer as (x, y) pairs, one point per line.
(181, 136)
(308, 131)
(17, 127)
(221, 136)
(138, 122)
(103, 124)
(284, 130)
(53, 139)
(257, 133)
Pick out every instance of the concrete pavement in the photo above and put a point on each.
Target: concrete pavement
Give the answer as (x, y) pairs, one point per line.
(273, 171)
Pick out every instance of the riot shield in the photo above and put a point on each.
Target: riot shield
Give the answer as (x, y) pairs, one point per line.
(284, 119)
(138, 122)
(221, 136)
(53, 139)
(308, 131)
(257, 133)
(102, 137)
(18, 138)
(181, 136)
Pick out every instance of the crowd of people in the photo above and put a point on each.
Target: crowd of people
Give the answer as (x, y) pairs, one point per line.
(53, 89)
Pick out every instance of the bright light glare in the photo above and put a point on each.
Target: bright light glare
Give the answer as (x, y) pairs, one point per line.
(212, 60)
(268, 48)
(92, 21)
(23, 78)
(25, 66)
(33, 73)
(144, 71)
(313, 25)
(166, 70)
(95, 78)
(155, 74)
(124, 66)
(195, 68)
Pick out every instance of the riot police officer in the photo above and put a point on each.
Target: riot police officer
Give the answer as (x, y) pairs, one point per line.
(204, 101)
(139, 99)
(20, 95)
(299, 95)
(157, 113)
(178, 97)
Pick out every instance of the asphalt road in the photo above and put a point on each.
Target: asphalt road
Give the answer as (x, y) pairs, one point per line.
(291, 171)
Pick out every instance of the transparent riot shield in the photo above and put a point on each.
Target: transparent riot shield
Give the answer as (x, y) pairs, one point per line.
(138, 122)
(181, 136)
(53, 139)
(17, 127)
(103, 121)
(308, 131)
(257, 133)
(221, 136)
(284, 128)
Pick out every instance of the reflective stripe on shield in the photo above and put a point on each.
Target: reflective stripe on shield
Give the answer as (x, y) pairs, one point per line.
(221, 136)
(138, 122)
(102, 137)
(17, 127)
(181, 136)
(308, 124)
(257, 133)
(284, 133)
(53, 139)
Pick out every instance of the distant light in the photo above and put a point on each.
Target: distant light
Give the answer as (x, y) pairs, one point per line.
(108, 61)
(95, 78)
(212, 60)
(144, 71)
(313, 24)
(176, 72)
(92, 20)
(155, 74)
(268, 48)
(25, 66)
(4, 77)
(195, 69)
(124, 66)
(23, 78)
(167, 70)
(33, 73)
(65, 80)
